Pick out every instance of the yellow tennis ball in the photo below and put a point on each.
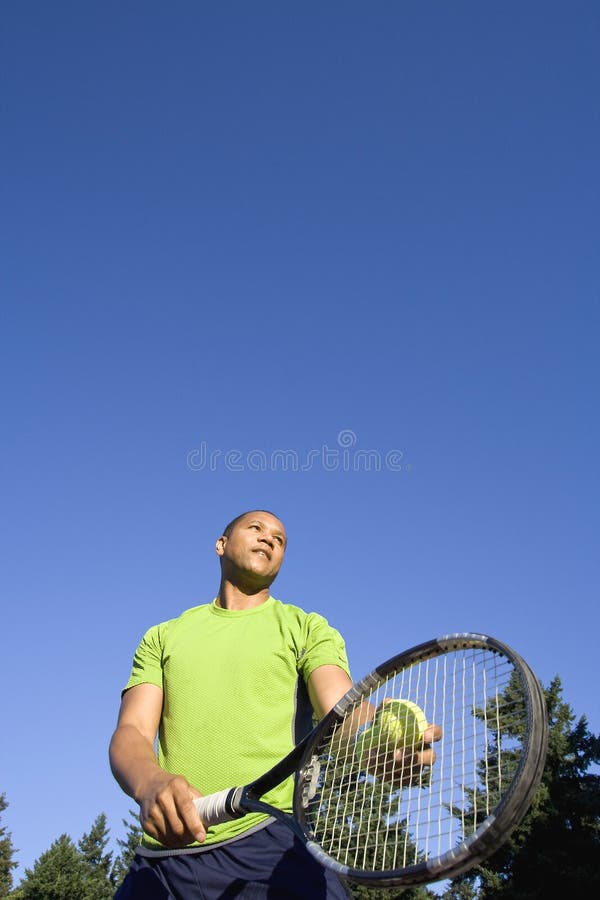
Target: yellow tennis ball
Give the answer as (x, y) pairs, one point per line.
(397, 724)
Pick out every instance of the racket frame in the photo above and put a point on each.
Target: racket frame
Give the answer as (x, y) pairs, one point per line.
(498, 825)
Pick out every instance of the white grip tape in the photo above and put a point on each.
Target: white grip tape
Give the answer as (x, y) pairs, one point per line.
(212, 809)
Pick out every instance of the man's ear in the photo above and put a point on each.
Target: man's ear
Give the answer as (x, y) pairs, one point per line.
(220, 545)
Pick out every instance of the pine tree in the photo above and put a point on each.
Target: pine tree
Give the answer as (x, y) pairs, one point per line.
(554, 851)
(128, 846)
(97, 863)
(362, 892)
(59, 874)
(353, 830)
(7, 863)
(460, 890)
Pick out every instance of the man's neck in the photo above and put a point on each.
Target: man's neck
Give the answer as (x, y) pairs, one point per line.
(231, 596)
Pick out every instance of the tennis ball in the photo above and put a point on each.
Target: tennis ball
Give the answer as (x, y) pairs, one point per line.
(397, 724)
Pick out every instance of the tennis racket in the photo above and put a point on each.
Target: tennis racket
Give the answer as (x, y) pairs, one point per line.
(381, 818)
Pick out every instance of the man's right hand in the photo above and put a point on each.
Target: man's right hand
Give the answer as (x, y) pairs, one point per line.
(168, 813)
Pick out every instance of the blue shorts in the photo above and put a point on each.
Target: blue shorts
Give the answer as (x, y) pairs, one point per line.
(269, 864)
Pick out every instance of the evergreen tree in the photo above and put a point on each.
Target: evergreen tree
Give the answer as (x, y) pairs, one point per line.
(7, 863)
(353, 830)
(554, 851)
(460, 890)
(127, 847)
(97, 863)
(59, 874)
(362, 892)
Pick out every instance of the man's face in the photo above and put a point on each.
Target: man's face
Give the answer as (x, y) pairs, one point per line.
(255, 547)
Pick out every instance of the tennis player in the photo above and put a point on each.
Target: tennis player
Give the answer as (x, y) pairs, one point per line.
(228, 687)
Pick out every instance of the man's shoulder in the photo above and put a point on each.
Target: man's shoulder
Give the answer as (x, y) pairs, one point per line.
(188, 617)
(294, 613)
(193, 612)
(283, 608)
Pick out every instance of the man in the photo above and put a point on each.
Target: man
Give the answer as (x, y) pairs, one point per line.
(229, 687)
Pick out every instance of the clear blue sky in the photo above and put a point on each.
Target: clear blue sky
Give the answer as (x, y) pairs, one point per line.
(232, 229)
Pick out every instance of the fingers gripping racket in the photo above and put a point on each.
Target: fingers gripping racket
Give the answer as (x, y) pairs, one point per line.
(367, 807)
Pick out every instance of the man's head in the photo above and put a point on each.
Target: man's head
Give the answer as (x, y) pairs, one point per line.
(251, 549)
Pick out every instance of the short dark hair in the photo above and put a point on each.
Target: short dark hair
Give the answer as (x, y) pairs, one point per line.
(229, 528)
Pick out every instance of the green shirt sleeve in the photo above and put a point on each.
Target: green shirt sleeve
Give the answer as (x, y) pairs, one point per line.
(147, 660)
(324, 647)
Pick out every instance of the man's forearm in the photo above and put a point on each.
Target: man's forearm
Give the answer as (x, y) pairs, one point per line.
(132, 760)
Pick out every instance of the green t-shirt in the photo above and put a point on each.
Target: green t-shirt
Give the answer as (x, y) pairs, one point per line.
(235, 699)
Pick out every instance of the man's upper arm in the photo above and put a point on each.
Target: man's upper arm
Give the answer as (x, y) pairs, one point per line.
(326, 684)
(141, 708)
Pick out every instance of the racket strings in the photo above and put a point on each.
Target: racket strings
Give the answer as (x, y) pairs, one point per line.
(375, 805)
